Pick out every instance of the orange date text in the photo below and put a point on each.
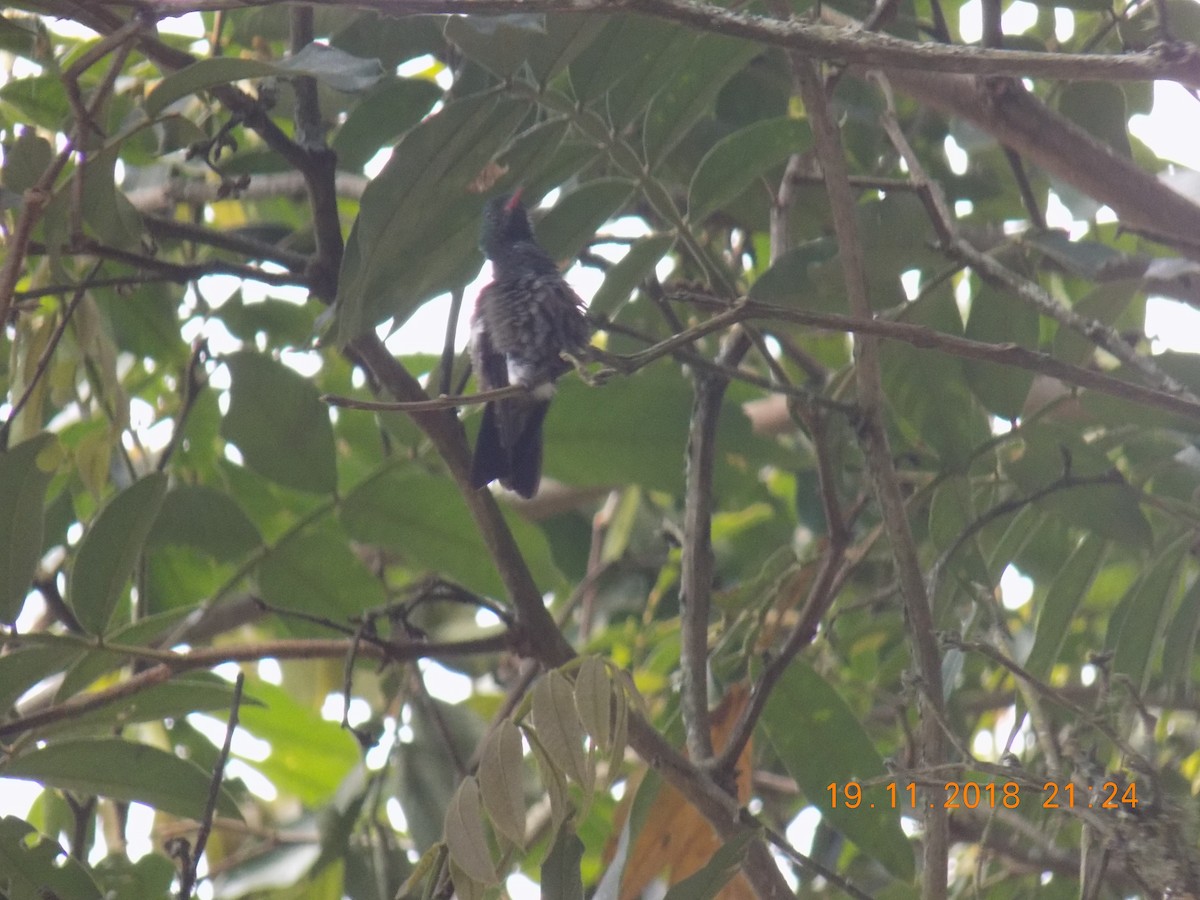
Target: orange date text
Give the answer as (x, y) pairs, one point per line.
(982, 795)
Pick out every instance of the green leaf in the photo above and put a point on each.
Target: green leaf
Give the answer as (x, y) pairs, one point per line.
(593, 700)
(311, 755)
(199, 692)
(706, 883)
(735, 162)
(1109, 510)
(33, 867)
(465, 837)
(24, 667)
(425, 520)
(122, 770)
(317, 573)
(380, 117)
(1179, 647)
(500, 781)
(207, 519)
(40, 100)
(110, 549)
(25, 473)
(574, 219)
(400, 253)
(329, 65)
(559, 729)
(624, 50)
(499, 43)
(25, 161)
(788, 282)
(691, 90)
(561, 875)
(1062, 598)
(279, 423)
(1136, 631)
(820, 742)
(623, 278)
(107, 210)
(1105, 304)
(566, 36)
(999, 318)
(591, 438)
(1098, 107)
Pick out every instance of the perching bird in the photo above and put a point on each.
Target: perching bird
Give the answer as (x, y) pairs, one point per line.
(524, 320)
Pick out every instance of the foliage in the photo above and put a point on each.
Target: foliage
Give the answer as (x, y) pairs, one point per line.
(195, 264)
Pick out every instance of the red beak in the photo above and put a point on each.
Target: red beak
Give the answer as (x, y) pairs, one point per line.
(514, 200)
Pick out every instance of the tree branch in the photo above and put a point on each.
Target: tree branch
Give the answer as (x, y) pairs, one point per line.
(1176, 62)
(874, 440)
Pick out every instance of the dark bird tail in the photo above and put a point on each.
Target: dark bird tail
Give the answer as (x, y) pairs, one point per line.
(509, 446)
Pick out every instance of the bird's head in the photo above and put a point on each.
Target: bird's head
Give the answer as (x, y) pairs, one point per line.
(505, 222)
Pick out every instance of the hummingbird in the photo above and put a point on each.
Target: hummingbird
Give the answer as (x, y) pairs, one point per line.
(524, 320)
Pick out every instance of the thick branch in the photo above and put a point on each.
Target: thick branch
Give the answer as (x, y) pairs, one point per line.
(1177, 62)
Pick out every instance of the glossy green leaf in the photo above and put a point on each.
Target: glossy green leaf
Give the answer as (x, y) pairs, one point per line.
(561, 877)
(110, 549)
(737, 161)
(398, 254)
(424, 519)
(1061, 600)
(624, 276)
(279, 423)
(122, 770)
(820, 742)
(33, 867)
(25, 473)
(333, 67)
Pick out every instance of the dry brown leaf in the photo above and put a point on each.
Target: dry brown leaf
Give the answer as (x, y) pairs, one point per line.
(676, 839)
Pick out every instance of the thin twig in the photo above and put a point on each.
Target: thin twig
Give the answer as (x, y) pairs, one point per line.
(44, 360)
(187, 881)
